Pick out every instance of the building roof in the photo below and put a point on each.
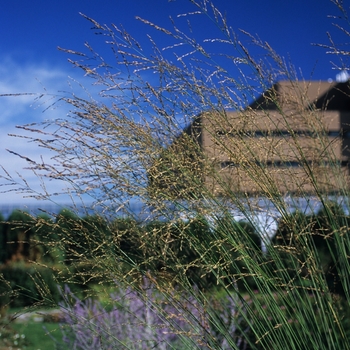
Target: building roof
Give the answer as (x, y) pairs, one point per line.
(286, 95)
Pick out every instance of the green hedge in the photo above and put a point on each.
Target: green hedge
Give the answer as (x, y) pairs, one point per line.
(29, 284)
(304, 239)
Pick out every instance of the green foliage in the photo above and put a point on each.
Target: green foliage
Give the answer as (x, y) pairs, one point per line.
(6, 293)
(30, 284)
(10, 338)
(332, 226)
(35, 335)
(2, 239)
(178, 165)
(312, 245)
(18, 234)
(240, 246)
(69, 226)
(45, 245)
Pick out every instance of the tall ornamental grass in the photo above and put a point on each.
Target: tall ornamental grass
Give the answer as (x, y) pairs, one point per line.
(127, 143)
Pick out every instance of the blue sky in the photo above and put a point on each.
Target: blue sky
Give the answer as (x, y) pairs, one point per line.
(32, 31)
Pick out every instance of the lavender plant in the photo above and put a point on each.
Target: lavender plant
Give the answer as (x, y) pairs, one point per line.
(149, 320)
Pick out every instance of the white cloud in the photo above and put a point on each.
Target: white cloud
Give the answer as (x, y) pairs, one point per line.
(24, 109)
(28, 79)
(18, 168)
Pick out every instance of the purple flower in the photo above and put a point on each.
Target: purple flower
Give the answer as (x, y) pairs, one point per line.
(148, 319)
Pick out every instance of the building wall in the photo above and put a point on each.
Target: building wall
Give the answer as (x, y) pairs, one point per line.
(288, 148)
(294, 138)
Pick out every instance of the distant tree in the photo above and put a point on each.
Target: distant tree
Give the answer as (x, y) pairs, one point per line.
(45, 243)
(68, 227)
(331, 226)
(309, 243)
(3, 239)
(18, 234)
